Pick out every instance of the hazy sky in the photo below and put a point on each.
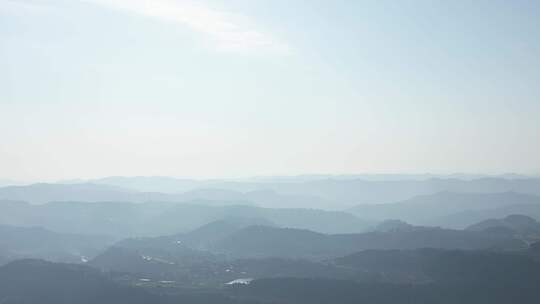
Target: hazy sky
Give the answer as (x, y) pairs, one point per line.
(243, 87)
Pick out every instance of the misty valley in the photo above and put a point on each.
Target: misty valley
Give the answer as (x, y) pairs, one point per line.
(432, 240)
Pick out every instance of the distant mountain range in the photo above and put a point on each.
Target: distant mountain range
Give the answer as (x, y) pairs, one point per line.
(215, 242)
(35, 242)
(172, 185)
(166, 215)
(274, 265)
(342, 191)
(321, 192)
(468, 217)
(451, 209)
(44, 193)
(86, 192)
(514, 224)
(122, 219)
(243, 240)
(252, 241)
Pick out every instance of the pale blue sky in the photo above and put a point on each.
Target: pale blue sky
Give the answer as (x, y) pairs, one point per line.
(267, 87)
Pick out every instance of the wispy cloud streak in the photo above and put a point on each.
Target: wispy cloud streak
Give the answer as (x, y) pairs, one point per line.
(230, 32)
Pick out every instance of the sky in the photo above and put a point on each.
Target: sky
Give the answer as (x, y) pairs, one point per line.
(237, 88)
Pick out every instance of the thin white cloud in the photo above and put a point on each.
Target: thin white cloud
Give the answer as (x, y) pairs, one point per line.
(230, 32)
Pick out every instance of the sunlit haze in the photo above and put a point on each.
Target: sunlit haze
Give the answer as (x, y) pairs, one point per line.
(245, 88)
